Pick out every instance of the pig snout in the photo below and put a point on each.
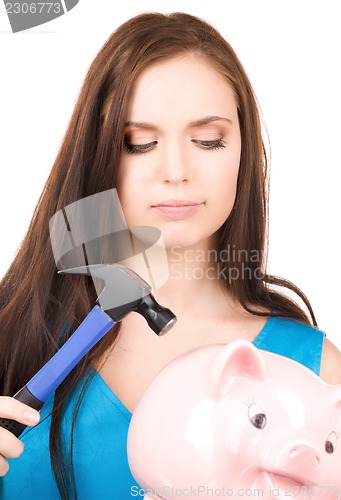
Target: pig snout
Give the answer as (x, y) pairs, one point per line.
(298, 461)
(304, 460)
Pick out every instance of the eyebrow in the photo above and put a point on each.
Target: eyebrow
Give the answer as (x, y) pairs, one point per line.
(196, 123)
(208, 119)
(140, 125)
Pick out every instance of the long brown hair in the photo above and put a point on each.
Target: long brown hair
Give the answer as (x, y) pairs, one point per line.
(35, 301)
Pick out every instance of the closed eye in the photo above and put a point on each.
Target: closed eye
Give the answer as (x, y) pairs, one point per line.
(139, 148)
(144, 148)
(216, 144)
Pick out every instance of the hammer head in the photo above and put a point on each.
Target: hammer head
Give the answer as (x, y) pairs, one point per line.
(123, 291)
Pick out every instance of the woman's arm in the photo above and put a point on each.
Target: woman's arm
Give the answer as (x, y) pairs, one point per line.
(331, 363)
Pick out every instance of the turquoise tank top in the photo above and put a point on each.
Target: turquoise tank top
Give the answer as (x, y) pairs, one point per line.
(100, 436)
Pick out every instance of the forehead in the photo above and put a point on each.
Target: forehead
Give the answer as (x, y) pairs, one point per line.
(181, 88)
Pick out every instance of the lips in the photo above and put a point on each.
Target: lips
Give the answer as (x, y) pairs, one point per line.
(177, 209)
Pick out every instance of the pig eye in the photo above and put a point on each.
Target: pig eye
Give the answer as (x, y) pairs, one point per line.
(257, 416)
(330, 444)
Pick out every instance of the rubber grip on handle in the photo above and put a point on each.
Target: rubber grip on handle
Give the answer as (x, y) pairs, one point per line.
(26, 397)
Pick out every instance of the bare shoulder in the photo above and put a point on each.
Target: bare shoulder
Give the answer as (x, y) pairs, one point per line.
(331, 363)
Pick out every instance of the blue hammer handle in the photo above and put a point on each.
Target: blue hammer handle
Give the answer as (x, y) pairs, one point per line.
(36, 392)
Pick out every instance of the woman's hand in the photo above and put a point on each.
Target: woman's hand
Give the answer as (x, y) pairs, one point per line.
(11, 446)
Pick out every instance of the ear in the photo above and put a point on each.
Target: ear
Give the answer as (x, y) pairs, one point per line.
(336, 395)
(239, 359)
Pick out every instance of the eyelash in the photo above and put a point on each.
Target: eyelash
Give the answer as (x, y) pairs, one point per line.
(139, 148)
(144, 148)
(218, 144)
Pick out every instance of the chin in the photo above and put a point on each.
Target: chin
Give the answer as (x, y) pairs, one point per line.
(184, 239)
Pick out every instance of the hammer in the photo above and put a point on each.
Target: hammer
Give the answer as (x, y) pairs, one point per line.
(124, 291)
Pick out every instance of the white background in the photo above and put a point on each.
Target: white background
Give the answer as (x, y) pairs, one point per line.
(291, 51)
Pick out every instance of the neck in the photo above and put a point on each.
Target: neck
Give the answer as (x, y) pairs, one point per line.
(185, 278)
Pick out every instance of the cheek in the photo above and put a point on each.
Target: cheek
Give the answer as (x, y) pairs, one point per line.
(126, 194)
(223, 181)
(129, 181)
(135, 173)
(132, 188)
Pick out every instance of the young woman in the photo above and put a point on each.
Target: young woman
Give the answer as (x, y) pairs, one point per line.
(167, 116)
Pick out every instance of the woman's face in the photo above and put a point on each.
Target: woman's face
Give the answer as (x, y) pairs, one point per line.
(180, 166)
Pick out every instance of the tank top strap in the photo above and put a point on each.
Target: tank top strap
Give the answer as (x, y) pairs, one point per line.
(294, 340)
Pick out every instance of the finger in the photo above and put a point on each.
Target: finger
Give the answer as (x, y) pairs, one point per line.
(10, 446)
(15, 410)
(3, 466)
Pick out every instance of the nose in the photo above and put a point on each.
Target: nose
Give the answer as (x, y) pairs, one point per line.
(302, 460)
(175, 166)
(293, 458)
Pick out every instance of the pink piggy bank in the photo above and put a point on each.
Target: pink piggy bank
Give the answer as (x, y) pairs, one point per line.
(232, 420)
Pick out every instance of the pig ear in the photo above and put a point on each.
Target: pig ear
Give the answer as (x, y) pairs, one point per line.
(239, 359)
(336, 395)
